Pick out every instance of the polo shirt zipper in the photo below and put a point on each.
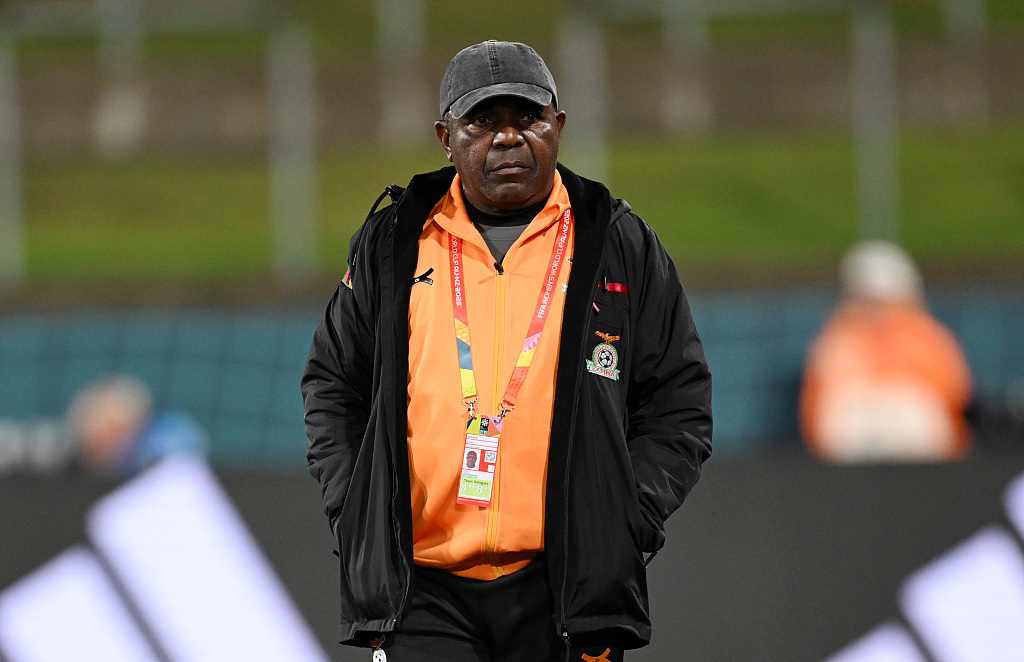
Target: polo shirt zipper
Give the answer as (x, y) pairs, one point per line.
(496, 389)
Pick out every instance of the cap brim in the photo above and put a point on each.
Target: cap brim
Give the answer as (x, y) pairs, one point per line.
(465, 103)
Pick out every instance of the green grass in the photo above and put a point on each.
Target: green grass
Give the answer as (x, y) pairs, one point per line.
(964, 197)
(746, 209)
(739, 206)
(97, 223)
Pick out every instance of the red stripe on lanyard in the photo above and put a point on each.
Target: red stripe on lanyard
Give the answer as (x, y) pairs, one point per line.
(458, 295)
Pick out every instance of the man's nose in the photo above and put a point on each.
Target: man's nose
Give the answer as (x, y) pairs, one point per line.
(508, 135)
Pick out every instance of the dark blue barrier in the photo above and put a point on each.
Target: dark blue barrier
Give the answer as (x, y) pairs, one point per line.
(237, 373)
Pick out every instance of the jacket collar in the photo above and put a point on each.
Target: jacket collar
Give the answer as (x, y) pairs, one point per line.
(591, 205)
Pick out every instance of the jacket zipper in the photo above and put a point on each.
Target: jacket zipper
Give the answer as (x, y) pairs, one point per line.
(565, 519)
(392, 620)
(496, 390)
(565, 484)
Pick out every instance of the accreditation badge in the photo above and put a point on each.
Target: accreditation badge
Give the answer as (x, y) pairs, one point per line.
(479, 459)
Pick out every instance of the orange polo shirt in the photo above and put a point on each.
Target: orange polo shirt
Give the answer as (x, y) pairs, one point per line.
(468, 540)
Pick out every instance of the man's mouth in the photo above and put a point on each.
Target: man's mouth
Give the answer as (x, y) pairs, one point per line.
(509, 168)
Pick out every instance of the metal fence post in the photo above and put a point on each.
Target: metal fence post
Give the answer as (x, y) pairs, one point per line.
(122, 114)
(686, 102)
(405, 107)
(12, 222)
(967, 91)
(875, 121)
(583, 91)
(291, 79)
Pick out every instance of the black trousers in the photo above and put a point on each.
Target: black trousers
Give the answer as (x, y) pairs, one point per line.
(509, 619)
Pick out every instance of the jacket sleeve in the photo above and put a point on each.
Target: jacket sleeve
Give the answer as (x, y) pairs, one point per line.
(669, 397)
(338, 379)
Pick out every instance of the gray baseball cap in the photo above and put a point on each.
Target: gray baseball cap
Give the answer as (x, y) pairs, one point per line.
(493, 69)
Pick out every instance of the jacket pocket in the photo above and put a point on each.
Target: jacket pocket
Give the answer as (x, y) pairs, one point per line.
(607, 342)
(372, 583)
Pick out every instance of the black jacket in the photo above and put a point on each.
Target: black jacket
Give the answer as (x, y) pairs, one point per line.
(623, 454)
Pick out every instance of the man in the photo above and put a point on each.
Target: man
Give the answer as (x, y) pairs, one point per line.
(118, 432)
(885, 381)
(510, 307)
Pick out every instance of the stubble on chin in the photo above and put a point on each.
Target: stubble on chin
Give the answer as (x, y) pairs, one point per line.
(510, 195)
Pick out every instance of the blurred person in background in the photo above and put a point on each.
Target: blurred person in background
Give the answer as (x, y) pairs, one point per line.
(884, 381)
(117, 431)
(511, 274)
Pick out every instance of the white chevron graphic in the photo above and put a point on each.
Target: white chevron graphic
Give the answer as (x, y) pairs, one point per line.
(173, 576)
(966, 606)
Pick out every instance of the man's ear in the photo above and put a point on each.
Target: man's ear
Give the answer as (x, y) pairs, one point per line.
(441, 129)
(560, 121)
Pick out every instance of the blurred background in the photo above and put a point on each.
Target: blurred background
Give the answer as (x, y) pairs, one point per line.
(179, 181)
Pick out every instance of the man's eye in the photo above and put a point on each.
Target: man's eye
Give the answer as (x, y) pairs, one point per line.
(479, 121)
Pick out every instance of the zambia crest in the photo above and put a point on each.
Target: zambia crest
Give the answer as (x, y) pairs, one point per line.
(605, 358)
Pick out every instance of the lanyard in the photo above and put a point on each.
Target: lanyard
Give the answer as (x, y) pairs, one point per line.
(515, 384)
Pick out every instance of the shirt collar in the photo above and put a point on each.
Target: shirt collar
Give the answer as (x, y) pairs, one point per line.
(451, 215)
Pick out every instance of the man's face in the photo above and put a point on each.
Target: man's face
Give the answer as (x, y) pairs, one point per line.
(505, 150)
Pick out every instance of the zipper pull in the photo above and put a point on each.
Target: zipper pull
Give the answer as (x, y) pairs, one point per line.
(500, 269)
(425, 278)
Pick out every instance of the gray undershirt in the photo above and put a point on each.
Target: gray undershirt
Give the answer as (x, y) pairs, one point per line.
(500, 238)
(501, 231)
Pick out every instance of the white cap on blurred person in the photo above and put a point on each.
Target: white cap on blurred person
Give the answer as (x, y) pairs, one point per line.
(881, 270)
